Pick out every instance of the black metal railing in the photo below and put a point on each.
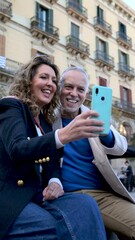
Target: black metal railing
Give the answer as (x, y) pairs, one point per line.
(103, 24)
(52, 1)
(126, 69)
(6, 7)
(44, 26)
(77, 44)
(118, 103)
(123, 105)
(102, 56)
(77, 7)
(10, 66)
(124, 37)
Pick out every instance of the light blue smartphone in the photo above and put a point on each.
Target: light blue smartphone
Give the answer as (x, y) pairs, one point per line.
(102, 103)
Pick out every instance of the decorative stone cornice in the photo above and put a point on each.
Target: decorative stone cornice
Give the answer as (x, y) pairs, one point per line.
(122, 8)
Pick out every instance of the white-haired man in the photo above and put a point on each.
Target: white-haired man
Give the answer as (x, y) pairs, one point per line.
(85, 166)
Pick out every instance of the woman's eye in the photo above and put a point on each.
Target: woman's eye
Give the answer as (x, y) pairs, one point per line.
(43, 77)
(54, 81)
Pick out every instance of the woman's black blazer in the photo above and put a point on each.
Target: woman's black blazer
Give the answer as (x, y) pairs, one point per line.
(21, 152)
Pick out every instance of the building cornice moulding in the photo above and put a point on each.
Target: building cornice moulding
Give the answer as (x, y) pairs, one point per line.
(121, 7)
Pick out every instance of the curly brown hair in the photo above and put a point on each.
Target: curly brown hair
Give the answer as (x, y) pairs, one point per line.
(21, 87)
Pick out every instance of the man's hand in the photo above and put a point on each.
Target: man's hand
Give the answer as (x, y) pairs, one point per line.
(52, 191)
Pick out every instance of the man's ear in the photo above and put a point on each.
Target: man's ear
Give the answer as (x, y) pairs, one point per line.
(86, 95)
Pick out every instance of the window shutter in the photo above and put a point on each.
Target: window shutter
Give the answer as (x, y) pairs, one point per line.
(99, 12)
(50, 17)
(128, 64)
(122, 28)
(119, 55)
(51, 58)
(33, 52)
(2, 45)
(129, 96)
(75, 30)
(121, 92)
(97, 43)
(119, 26)
(37, 9)
(107, 48)
(102, 81)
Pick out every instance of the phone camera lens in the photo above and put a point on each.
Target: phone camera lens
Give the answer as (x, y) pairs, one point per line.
(102, 98)
(96, 90)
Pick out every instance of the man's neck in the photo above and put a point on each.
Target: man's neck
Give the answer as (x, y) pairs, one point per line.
(69, 115)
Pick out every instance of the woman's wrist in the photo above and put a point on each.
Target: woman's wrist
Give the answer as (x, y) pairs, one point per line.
(59, 144)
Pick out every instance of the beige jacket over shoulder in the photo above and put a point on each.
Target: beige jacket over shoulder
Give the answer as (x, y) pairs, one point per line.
(100, 158)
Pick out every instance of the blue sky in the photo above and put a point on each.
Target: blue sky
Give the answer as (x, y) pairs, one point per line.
(131, 3)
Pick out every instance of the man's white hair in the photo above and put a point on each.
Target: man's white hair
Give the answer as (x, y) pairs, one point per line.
(75, 68)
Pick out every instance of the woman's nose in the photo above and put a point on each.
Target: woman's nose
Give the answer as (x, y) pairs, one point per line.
(49, 81)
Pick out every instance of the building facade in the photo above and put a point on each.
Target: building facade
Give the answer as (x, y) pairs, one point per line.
(98, 35)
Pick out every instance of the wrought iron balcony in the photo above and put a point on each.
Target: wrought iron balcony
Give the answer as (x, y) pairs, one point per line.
(5, 10)
(76, 10)
(77, 47)
(125, 71)
(124, 106)
(102, 26)
(102, 60)
(8, 69)
(42, 29)
(52, 1)
(124, 40)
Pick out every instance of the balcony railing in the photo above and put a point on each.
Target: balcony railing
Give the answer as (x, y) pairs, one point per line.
(102, 26)
(124, 105)
(126, 71)
(76, 10)
(8, 69)
(77, 47)
(124, 40)
(5, 10)
(42, 29)
(52, 1)
(102, 59)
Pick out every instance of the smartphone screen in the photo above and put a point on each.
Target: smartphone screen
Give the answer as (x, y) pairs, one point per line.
(102, 103)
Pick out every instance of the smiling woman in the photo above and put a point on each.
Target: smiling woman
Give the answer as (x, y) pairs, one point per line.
(36, 85)
(44, 85)
(33, 205)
